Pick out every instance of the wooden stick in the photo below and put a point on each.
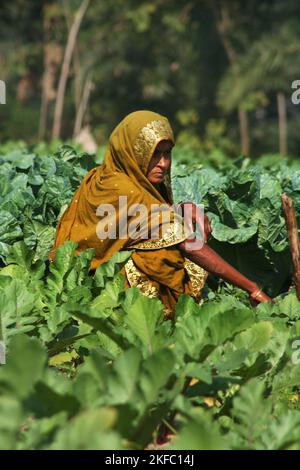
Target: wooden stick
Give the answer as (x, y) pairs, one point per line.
(291, 224)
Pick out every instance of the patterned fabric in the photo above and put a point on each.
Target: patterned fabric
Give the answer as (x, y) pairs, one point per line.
(123, 174)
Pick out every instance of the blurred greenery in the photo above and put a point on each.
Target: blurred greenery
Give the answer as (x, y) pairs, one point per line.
(221, 71)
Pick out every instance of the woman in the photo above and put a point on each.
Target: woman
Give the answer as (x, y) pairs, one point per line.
(108, 213)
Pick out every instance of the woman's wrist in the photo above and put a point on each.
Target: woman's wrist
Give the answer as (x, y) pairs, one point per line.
(253, 288)
(255, 293)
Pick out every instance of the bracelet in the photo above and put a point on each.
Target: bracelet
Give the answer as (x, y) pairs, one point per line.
(256, 293)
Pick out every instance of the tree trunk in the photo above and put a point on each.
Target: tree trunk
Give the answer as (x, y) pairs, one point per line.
(43, 113)
(82, 106)
(52, 53)
(282, 123)
(223, 24)
(244, 133)
(2, 92)
(72, 36)
(52, 61)
(76, 60)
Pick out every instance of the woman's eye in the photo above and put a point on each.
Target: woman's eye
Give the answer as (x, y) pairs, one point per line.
(160, 153)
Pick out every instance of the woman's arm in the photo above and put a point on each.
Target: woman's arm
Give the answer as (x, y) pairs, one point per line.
(208, 259)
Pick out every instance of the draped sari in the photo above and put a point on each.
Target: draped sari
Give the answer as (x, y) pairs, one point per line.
(156, 267)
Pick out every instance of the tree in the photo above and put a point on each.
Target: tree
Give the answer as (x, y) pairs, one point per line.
(270, 66)
(72, 37)
(52, 52)
(226, 14)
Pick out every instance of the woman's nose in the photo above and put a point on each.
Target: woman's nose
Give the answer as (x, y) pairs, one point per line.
(164, 162)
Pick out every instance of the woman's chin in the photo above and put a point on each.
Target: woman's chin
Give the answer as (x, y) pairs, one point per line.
(157, 180)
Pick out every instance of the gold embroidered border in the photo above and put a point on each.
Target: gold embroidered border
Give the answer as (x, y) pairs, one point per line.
(140, 280)
(137, 279)
(176, 233)
(197, 276)
(148, 138)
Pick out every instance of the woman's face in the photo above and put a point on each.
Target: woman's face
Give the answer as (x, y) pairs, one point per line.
(160, 162)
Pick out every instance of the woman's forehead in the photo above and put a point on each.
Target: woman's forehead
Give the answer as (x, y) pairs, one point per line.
(164, 145)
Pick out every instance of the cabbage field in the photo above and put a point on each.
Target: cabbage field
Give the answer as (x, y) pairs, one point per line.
(92, 365)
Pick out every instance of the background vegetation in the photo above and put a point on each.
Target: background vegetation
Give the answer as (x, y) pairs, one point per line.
(90, 364)
(220, 70)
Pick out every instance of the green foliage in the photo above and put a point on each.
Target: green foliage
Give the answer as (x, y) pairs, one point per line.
(116, 373)
(152, 56)
(241, 199)
(34, 191)
(92, 365)
(243, 202)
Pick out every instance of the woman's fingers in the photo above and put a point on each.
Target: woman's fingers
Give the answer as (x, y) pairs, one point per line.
(259, 297)
(264, 297)
(193, 212)
(207, 226)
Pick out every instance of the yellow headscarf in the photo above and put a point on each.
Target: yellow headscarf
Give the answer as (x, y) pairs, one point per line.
(123, 173)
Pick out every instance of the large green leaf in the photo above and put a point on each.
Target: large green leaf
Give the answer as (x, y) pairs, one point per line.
(289, 306)
(11, 414)
(201, 433)
(90, 430)
(143, 318)
(26, 360)
(283, 433)
(125, 378)
(233, 235)
(108, 269)
(18, 304)
(56, 280)
(250, 411)
(255, 338)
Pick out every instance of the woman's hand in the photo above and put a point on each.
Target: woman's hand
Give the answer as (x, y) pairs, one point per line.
(194, 212)
(257, 296)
